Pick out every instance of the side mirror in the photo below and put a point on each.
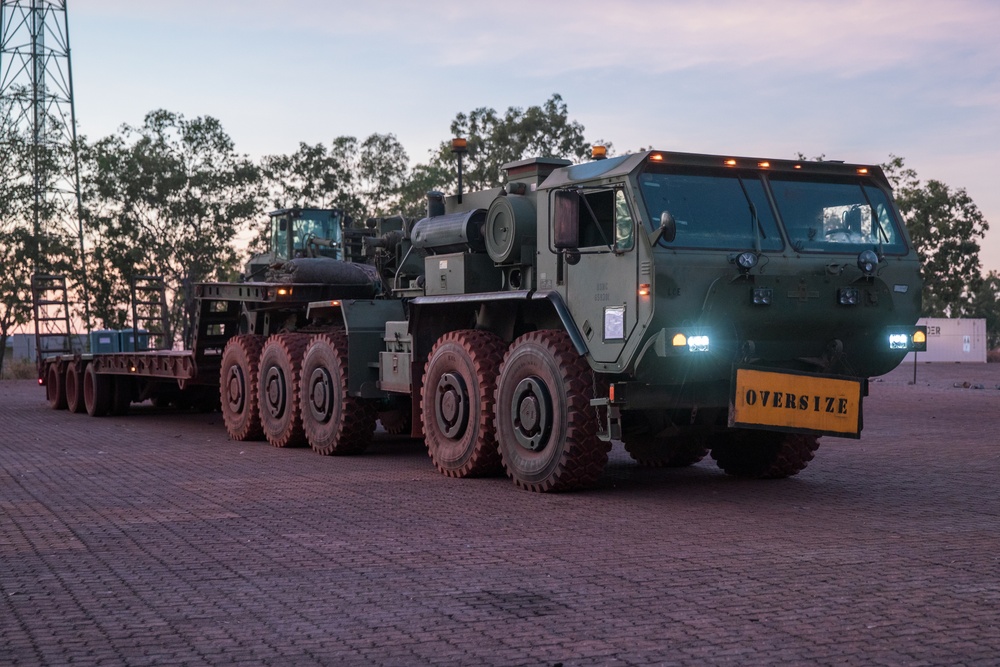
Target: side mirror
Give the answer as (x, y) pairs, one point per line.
(566, 220)
(667, 229)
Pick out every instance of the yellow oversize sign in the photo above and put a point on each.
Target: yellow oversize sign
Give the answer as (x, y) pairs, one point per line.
(792, 401)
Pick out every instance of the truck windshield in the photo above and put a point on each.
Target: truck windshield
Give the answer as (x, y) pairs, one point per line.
(725, 210)
(835, 216)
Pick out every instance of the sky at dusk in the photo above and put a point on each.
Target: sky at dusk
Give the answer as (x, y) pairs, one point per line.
(848, 79)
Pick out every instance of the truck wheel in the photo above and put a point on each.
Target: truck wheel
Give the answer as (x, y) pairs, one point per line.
(97, 390)
(334, 421)
(668, 452)
(457, 403)
(278, 388)
(653, 440)
(55, 387)
(74, 387)
(764, 454)
(238, 378)
(545, 424)
(396, 422)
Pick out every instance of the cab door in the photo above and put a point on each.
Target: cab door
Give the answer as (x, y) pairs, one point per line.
(601, 276)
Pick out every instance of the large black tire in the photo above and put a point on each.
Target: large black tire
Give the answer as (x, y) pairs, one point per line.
(55, 387)
(764, 454)
(278, 388)
(74, 387)
(457, 402)
(334, 421)
(238, 379)
(97, 392)
(545, 424)
(654, 442)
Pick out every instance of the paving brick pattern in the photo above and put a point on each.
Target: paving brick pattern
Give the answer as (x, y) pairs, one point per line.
(153, 540)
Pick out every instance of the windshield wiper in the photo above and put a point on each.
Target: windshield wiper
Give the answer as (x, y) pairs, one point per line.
(875, 221)
(758, 229)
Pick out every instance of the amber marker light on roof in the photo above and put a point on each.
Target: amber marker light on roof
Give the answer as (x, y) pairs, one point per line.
(730, 163)
(459, 145)
(598, 152)
(798, 166)
(764, 165)
(862, 170)
(657, 157)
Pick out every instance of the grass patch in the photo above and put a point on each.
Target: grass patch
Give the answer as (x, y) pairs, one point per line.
(18, 369)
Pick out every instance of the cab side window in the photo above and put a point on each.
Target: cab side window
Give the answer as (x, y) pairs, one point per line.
(605, 220)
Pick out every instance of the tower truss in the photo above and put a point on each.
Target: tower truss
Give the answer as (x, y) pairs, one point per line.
(36, 95)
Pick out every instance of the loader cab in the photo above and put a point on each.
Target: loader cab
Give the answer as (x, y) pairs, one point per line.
(306, 232)
(299, 232)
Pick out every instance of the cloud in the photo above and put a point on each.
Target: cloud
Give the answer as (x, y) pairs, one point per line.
(653, 35)
(846, 37)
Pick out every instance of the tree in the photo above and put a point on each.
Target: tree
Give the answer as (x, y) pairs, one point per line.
(15, 283)
(22, 251)
(364, 179)
(986, 304)
(493, 140)
(167, 198)
(946, 226)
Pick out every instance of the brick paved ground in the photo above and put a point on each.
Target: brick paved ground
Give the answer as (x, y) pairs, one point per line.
(153, 540)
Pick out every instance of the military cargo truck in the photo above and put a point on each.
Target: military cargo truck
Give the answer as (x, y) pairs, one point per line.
(680, 303)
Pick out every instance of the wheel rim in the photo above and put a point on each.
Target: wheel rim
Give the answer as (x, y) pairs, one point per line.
(274, 383)
(531, 413)
(320, 395)
(452, 405)
(237, 389)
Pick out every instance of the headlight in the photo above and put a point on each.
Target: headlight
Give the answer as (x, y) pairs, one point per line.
(899, 342)
(745, 261)
(762, 296)
(698, 343)
(848, 296)
(912, 339)
(868, 262)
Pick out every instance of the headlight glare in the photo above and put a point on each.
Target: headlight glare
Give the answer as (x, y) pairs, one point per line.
(698, 343)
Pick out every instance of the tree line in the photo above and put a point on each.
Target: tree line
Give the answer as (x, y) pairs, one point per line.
(173, 197)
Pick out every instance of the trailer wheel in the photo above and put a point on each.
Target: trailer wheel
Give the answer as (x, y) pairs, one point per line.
(238, 379)
(545, 424)
(459, 388)
(74, 387)
(55, 387)
(97, 392)
(335, 422)
(278, 388)
(764, 454)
